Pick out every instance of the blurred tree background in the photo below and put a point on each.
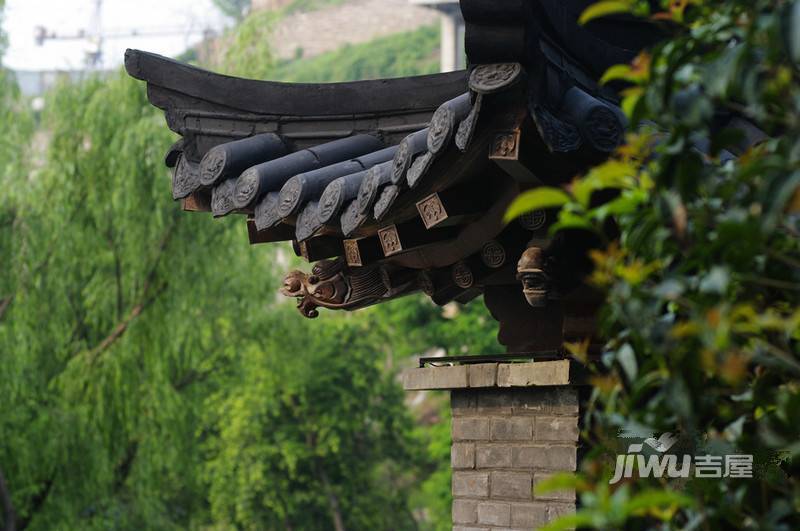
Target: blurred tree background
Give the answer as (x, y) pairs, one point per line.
(151, 378)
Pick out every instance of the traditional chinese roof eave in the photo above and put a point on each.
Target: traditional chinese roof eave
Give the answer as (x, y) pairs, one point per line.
(196, 100)
(380, 96)
(396, 186)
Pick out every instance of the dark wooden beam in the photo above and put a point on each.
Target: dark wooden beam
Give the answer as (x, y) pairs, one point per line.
(318, 248)
(396, 239)
(454, 206)
(279, 233)
(199, 201)
(362, 251)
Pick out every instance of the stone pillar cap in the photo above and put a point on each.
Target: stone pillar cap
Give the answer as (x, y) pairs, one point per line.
(482, 375)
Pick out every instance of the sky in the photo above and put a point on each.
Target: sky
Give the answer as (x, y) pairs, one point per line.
(185, 18)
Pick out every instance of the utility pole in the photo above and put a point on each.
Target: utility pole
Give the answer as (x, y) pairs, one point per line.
(94, 55)
(95, 36)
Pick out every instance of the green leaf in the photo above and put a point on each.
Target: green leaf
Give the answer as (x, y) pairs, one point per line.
(610, 174)
(631, 100)
(571, 220)
(538, 198)
(569, 521)
(652, 499)
(601, 9)
(557, 482)
(625, 204)
(622, 71)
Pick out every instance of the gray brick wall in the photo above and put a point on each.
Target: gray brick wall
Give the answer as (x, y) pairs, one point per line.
(505, 441)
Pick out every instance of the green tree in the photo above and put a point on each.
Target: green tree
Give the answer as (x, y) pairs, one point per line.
(703, 283)
(98, 335)
(404, 54)
(139, 366)
(150, 380)
(315, 440)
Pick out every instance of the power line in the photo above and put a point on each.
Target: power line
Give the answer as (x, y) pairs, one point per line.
(95, 36)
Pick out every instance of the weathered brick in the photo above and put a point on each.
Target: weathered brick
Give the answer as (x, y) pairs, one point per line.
(493, 456)
(536, 373)
(462, 455)
(546, 401)
(462, 402)
(562, 458)
(454, 377)
(560, 495)
(516, 485)
(469, 528)
(530, 515)
(556, 429)
(465, 511)
(472, 484)
(558, 510)
(512, 429)
(494, 513)
(494, 402)
(470, 429)
(482, 375)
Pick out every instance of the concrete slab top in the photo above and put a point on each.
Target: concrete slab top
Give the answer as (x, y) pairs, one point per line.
(481, 375)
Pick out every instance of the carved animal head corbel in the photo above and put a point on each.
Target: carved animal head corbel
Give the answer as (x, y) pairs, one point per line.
(325, 286)
(535, 280)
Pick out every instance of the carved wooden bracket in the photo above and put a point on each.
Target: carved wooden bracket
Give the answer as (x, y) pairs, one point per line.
(535, 281)
(332, 284)
(326, 286)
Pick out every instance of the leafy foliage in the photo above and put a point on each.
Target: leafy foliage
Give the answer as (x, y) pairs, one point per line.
(398, 55)
(702, 319)
(247, 50)
(304, 436)
(151, 380)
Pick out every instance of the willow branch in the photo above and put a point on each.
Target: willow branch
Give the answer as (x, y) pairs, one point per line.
(9, 517)
(148, 297)
(4, 304)
(123, 325)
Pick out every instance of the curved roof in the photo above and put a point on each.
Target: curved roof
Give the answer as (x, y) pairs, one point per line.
(400, 185)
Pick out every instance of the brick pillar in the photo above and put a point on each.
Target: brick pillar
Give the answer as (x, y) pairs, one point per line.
(514, 424)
